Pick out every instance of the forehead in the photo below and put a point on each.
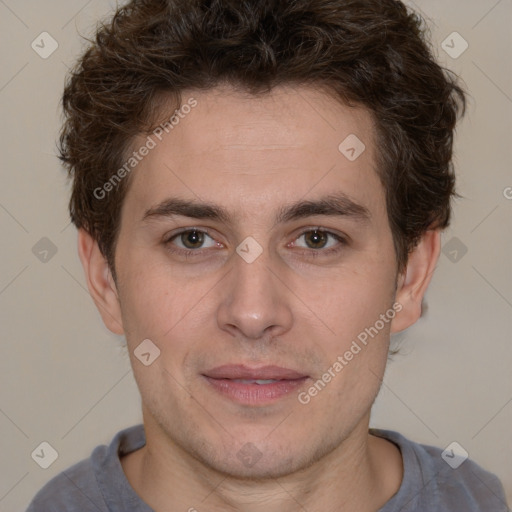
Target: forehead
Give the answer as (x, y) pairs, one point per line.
(247, 151)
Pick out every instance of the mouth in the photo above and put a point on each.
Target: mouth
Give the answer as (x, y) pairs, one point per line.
(254, 386)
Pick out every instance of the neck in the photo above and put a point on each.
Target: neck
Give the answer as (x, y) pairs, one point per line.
(361, 474)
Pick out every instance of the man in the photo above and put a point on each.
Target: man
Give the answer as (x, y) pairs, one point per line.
(259, 189)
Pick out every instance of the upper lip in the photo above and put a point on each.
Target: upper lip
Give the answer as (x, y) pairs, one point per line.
(232, 371)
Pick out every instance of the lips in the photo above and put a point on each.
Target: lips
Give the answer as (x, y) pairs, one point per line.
(254, 386)
(242, 372)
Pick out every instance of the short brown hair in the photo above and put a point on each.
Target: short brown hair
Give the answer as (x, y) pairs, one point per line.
(372, 53)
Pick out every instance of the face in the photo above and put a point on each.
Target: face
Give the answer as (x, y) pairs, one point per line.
(251, 248)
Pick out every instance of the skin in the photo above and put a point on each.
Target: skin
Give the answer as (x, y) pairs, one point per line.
(252, 156)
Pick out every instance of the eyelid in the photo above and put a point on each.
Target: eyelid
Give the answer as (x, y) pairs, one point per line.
(342, 240)
(206, 231)
(186, 253)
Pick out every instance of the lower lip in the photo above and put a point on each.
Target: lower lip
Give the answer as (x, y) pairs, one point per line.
(255, 394)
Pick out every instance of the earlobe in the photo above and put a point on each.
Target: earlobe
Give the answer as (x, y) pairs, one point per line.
(413, 282)
(100, 282)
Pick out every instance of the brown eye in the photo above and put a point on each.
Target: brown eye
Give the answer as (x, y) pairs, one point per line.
(319, 242)
(316, 239)
(192, 239)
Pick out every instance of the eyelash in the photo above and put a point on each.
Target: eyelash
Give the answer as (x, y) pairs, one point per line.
(314, 253)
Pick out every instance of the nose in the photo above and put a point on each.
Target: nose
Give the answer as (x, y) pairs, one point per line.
(255, 303)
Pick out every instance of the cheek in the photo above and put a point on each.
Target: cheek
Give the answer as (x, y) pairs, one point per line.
(355, 344)
(146, 298)
(157, 302)
(355, 354)
(348, 299)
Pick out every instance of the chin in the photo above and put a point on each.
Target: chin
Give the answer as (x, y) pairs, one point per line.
(261, 461)
(262, 470)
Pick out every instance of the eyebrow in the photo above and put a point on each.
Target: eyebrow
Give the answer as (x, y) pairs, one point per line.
(334, 205)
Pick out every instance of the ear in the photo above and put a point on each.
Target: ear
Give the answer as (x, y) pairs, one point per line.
(100, 282)
(413, 282)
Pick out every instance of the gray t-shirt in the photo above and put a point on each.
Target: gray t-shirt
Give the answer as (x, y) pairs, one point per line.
(98, 484)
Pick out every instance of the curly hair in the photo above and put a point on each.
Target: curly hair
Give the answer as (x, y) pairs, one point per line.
(369, 53)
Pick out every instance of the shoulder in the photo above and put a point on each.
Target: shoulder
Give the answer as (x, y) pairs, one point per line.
(437, 479)
(94, 484)
(75, 489)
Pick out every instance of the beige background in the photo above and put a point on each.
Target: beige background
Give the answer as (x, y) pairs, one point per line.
(66, 380)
